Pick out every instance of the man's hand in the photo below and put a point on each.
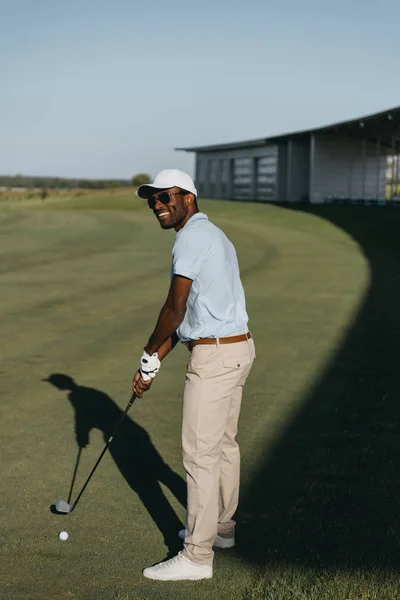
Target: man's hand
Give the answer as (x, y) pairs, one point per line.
(82, 439)
(139, 386)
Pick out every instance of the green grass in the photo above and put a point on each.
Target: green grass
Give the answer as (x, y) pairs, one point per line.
(392, 190)
(114, 199)
(82, 280)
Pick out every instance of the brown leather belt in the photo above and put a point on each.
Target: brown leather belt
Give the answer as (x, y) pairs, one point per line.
(224, 340)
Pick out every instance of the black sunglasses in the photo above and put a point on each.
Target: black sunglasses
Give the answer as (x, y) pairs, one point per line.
(163, 197)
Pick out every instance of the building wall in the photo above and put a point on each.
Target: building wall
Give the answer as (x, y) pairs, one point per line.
(346, 168)
(240, 174)
(282, 171)
(298, 170)
(313, 168)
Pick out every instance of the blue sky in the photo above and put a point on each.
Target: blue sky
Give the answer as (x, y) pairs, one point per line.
(95, 88)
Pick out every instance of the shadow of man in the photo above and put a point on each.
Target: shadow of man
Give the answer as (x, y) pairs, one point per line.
(133, 452)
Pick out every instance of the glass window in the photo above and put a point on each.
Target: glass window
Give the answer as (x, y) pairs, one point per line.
(242, 178)
(200, 171)
(266, 178)
(213, 170)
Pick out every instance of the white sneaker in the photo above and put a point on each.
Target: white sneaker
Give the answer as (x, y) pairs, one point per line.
(178, 568)
(219, 542)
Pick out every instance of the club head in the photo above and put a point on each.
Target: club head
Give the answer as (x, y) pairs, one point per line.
(63, 507)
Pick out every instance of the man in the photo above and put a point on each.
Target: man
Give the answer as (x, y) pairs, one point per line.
(205, 309)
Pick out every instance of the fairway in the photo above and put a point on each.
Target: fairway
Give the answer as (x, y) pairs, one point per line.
(82, 281)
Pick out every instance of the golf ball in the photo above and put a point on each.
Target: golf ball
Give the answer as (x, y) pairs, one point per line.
(63, 535)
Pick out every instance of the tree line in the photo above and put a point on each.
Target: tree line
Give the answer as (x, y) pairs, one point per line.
(60, 183)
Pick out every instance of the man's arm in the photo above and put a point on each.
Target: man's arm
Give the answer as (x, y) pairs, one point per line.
(168, 346)
(164, 337)
(171, 315)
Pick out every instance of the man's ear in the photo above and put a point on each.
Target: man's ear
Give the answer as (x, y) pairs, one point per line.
(189, 199)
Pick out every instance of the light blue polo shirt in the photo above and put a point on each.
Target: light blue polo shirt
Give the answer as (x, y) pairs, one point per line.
(216, 305)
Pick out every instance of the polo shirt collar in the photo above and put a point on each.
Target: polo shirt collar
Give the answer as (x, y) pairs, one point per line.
(195, 217)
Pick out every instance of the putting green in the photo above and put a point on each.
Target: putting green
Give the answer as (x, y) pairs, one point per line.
(81, 287)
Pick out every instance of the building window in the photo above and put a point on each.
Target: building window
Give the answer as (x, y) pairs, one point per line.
(213, 170)
(200, 171)
(242, 178)
(266, 178)
(212, 177)
(225, 171)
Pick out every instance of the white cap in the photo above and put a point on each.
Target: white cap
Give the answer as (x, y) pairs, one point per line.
(165, 180)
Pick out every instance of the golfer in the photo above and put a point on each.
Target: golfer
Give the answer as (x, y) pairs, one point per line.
(205, 309)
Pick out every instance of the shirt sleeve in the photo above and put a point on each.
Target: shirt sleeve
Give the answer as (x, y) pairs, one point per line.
(190, 253)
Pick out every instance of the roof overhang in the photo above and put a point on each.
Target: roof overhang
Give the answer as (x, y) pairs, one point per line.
(382, 128)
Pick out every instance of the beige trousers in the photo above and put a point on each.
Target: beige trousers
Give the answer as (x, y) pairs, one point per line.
(212, 398)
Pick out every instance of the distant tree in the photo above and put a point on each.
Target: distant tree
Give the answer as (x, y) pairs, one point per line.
(44, 194)
(141, 179)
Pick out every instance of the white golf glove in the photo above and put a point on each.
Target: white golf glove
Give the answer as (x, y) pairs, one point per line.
(149, 366)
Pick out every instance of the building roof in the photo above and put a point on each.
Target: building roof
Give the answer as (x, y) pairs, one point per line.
(383, 126)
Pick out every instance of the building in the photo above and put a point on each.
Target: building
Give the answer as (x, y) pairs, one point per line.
(352, 161)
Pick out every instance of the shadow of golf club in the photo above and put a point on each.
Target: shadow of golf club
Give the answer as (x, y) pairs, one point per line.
(71, 489)
(133, 452)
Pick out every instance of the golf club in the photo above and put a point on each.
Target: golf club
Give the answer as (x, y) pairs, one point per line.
(74, 475)
(66, 507)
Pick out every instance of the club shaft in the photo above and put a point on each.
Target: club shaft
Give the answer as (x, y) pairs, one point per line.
(118, 425)
(74, 475)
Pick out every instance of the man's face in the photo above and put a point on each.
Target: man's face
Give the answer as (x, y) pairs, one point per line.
(174, 212)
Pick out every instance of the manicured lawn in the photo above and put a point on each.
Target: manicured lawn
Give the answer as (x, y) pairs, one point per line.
(82, 280)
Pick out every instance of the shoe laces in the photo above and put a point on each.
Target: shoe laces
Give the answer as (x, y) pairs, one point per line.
(171, 561)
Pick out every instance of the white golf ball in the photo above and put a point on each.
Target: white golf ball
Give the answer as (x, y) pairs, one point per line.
(63, 535)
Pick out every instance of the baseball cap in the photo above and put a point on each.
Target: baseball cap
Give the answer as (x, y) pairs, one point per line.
(167, 179)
